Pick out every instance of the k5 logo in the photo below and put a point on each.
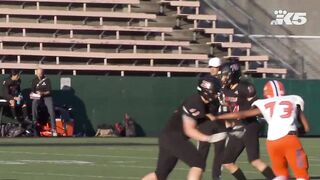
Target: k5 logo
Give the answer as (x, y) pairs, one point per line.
(289, 18)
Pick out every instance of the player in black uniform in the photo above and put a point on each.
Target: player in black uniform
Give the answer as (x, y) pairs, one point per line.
(174, 141)
(239, 95)
(212, 127)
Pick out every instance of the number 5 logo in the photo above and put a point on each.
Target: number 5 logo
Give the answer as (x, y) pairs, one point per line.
(299, 18)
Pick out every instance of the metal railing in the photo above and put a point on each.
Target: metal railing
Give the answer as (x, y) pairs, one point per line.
(272, 51)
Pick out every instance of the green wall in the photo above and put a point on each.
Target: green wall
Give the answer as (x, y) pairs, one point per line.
(149, 100)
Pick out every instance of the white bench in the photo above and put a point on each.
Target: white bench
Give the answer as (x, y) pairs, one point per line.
(264, 71)
(129, 3)
(280, 71)
(121, 68)
(72, 28)
(88, 42)
(214, 31)
(105, 56)
(249, 58)
(162, 3)
(62, 13)
(183, 4)
(239, 45)
(196, 18)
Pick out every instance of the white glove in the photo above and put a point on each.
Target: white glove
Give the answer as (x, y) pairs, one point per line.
(217, 137)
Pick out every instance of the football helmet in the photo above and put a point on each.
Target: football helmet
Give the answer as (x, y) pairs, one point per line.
(273, 88)
(230, 73)
(208, 88)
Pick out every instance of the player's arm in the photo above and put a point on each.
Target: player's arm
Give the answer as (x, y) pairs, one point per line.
(239, 115)
(190, 129)
(6, 88)
(304, 121)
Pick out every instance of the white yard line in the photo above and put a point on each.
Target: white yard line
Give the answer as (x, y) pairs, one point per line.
(117, 163)
(70, 175)
(151, 149)
(77, 155)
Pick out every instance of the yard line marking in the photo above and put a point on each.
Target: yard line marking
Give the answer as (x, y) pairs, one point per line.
(72, 175)
(313, 158)
(58, 162)
(151, 149)
(79, 155)
(11, 163)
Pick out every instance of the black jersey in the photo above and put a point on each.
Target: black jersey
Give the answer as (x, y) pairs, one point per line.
(194, 107)
(11, 88)
(41, 85)
(240, 98)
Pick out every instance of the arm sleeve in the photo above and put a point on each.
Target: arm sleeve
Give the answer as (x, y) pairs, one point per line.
(257, 104)
(300, 102)
(6, 93)
(193, 110)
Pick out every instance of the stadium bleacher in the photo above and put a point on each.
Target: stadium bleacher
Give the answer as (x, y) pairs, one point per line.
(118, 30)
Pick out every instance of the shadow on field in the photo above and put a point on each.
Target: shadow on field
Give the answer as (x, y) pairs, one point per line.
(315, 177)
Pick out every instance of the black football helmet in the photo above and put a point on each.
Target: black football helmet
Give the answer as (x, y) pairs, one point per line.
(230, 73)
(208, 87)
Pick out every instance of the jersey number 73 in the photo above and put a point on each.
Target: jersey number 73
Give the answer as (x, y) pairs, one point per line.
(285, 107)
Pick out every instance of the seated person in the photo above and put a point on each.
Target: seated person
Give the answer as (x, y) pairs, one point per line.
(12, 93)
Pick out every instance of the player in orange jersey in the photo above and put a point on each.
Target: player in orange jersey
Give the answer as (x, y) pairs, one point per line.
(281, 113)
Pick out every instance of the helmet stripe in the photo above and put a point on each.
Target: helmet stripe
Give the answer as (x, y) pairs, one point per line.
(275, 87)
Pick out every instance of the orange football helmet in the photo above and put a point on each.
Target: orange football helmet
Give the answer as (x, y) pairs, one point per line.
(273, 88)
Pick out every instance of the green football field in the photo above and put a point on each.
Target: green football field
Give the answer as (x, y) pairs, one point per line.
(106, 158)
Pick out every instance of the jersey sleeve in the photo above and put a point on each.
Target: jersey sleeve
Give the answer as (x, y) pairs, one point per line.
(194, 110)
(6, 87)
(300, 102)
(259, 104)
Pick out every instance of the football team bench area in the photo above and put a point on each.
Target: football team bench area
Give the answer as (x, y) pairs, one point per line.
(106, 158)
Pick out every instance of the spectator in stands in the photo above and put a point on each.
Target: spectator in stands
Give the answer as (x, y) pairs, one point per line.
(174, 141)
(41, 86)
(12, 93)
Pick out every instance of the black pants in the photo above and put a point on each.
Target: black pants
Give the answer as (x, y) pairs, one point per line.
(49, 103)
(173, 147)
(250, 141)
(212, 127)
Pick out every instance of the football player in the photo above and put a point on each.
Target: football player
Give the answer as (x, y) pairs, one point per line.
(239, 95)
(281, 113)
(174, 141)
(212, 127)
